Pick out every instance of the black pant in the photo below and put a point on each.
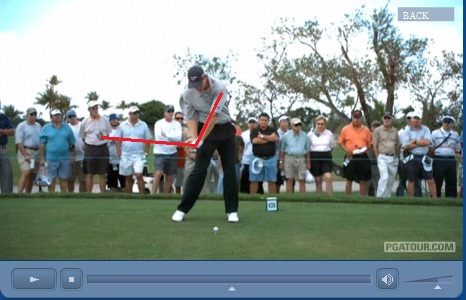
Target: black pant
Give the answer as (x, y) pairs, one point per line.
(445, 168)
(226, 149)
(400, 190)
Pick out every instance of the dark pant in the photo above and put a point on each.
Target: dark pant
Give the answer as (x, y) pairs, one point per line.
(195, 182)
(403, 177)
(445, 169)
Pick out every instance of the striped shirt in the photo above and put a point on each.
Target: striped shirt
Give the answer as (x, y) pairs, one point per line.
(450, 146)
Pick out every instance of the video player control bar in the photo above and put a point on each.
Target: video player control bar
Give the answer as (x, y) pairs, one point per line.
(322, 279)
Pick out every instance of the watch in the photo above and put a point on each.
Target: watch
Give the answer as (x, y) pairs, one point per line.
(262, 136)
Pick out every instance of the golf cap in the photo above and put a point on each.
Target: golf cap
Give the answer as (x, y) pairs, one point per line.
(169, 107)
(448, 118)
(55, 112)
(409, 115)
(252, 119)
(417, 114)
(133, 109)
(295, 121)
(113, 117)
(375, 123)
(92, 104)
(195, 76)
(388, 114)
(31, 110)
(427, 163)
(283, 118)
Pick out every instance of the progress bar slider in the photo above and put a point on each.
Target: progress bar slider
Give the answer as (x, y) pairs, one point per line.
(331, 279)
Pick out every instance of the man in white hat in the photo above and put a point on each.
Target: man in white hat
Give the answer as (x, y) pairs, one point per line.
(416, 139)
(247, 158)
(57, 143)
(27, 139)
(96, 154)
(446, 142)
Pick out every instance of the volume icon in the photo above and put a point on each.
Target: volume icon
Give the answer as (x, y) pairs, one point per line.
(387, 279)
(33, 279)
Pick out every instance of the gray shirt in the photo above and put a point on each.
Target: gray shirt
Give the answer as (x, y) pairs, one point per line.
(423, 133)
(197, 106)
(28, 134)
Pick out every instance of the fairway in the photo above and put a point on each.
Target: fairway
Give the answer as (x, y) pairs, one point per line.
(140, 229)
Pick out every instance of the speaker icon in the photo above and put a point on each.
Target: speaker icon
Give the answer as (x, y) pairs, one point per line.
(387, 279)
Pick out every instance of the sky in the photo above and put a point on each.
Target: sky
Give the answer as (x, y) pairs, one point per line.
(123, 49)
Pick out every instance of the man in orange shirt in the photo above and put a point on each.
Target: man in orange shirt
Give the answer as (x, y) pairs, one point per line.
(355, 139)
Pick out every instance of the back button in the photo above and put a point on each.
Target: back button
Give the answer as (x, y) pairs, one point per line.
(34, 278)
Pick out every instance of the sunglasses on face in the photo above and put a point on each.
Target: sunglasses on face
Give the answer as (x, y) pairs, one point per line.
(387, 118)
(170, 111)
(33, 114)
(179, 119)
(135, 112)
(447, 122)
(71, 116)
(408, 118)
(299, 124)
(56, 115)
(252, 122)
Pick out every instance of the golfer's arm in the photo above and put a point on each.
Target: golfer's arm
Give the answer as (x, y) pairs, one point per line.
(210, 126)
(192, 128)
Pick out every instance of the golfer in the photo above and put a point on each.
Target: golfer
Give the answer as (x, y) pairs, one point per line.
(197, 102)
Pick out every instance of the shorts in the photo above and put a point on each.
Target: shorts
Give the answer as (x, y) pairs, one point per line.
(76, 172)
(179, 177)
(131, 164)
(358, 169)
(166, 162)
(24, 165)
(415, 169)
(268, 172)
(96, 158)
(321, 163)
(295, 167)
(59, 168)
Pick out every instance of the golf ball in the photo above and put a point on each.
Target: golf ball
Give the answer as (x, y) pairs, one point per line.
(215, 228)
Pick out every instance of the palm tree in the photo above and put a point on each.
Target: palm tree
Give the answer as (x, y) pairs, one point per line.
(64, 104)
(92, 96)
(49, 97)
(11, 112)
(105, 105)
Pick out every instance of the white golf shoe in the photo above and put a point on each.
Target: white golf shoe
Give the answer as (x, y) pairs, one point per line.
(178, 216)
(233, 217)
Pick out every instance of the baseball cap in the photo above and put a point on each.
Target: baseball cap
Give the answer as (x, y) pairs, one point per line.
(169, 107)
(71, 112)
(92, 104)
(133, 109)
(31, 110)
(295, 121)
(427, 163)
(357, 113)
(55, 112)
(409, 115)
(417, 114)
(283, 118)
(448, 118)
(252, 119)
(113, 117)
(375, 123)
(195, 75)
(387, 114)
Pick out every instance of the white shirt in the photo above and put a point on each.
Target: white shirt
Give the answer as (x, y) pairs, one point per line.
(78, 146)
(172, 131)
(323, 142)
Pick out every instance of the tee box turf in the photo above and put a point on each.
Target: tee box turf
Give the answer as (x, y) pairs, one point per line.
(272, 204)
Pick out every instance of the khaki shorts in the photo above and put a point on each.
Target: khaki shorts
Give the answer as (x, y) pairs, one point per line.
(295, 167)
(24, 165)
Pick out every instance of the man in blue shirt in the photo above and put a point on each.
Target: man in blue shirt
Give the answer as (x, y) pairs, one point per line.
(57, 141)
(6, 170)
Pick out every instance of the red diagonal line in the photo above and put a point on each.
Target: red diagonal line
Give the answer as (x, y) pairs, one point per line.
(179, 144)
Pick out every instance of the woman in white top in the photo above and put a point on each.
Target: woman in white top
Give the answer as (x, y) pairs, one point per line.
(321, 145)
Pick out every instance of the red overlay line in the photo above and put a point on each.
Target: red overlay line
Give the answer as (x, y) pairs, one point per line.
(179, 144)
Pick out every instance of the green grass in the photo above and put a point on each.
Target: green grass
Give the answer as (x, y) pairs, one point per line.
(125, 227)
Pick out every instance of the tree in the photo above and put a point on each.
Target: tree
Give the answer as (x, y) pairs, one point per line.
(92, 96)
(50, 96)
(13, 114)
(105, 105)
(151, 112)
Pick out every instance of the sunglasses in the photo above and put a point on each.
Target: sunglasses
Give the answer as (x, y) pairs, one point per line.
(56, 115)
(357, 117)
(447, 122)
(72, 116)
(318, 124)
(180, 119)
(170, 111)
(135, 112)
(408, 118)
(33, 114)
(252, 122)
(299, 124)
(387, 118)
